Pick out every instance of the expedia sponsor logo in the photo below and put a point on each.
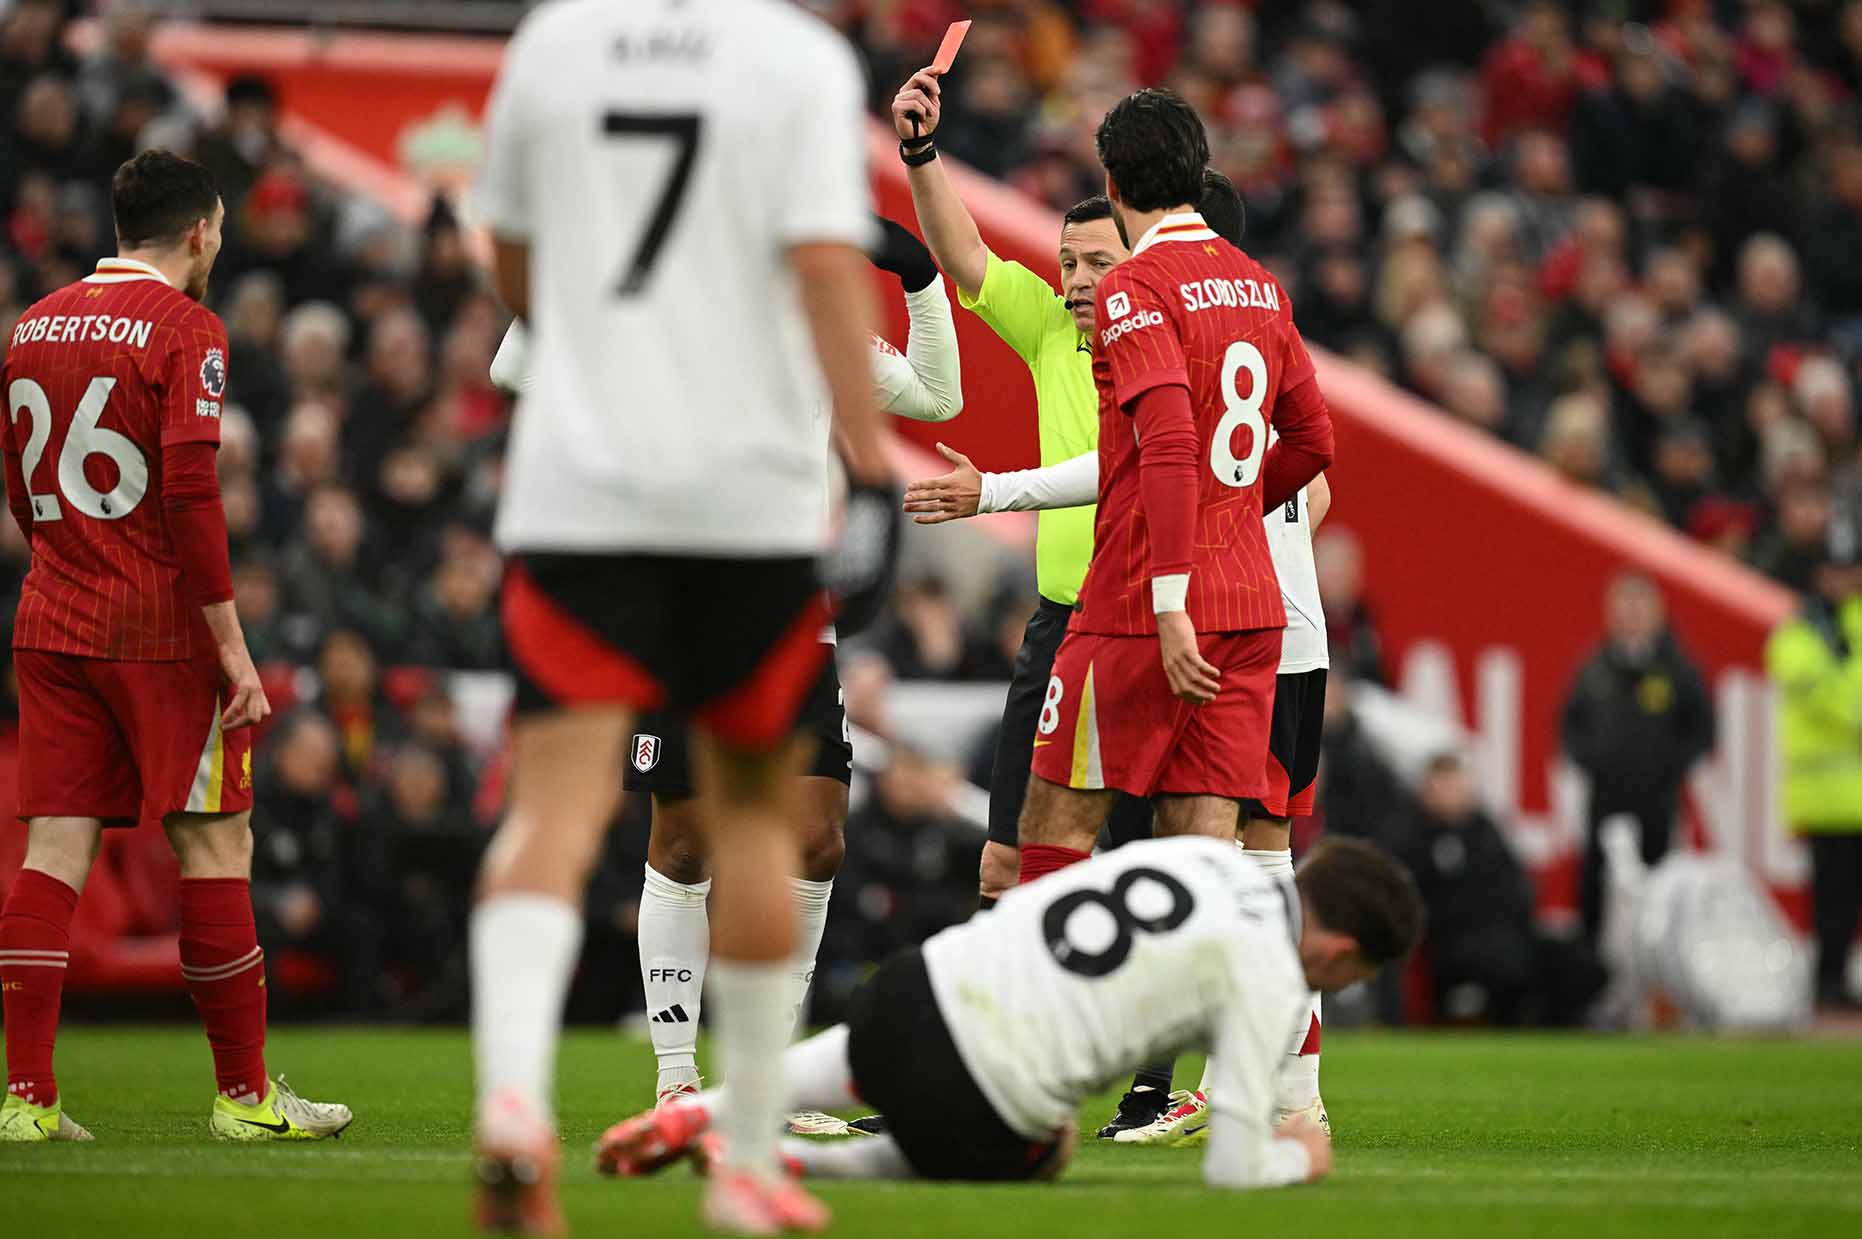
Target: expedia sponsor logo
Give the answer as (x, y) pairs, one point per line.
(1136, 322)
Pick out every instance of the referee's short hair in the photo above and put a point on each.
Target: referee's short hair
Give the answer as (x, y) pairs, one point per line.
(1221, 208)
(1086, 210)
(1354, 887)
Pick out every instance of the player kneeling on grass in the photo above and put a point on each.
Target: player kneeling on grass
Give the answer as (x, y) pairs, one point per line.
(136, 692)
(1000, 1027)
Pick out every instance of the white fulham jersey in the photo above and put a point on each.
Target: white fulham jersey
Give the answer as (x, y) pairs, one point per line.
(661, 157)
(1289, 542)
(1073, 981)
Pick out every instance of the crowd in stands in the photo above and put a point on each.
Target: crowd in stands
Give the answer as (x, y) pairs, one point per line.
(1623, 235)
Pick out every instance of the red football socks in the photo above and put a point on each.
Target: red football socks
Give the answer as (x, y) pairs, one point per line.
(225, 973)
(1041, 859)
(1311, 1044)
(35, 945)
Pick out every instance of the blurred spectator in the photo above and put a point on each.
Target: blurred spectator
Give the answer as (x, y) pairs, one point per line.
(328, 582)
(1636, 720)
(910, 871)
(928, 638)
(246, 139)
(1350, 629)
(1815, 663)
(254, 314)
(426, 850)
(274, 229)
(447, 273)
(1359, 794)
(456, 623)
(1488, 958)
(350, 697)
(307, 889)
(255, 594)
(398, 384)
(1529, 79)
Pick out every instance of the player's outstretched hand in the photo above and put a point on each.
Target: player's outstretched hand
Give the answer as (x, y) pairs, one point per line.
(949, 497)
(249, 704)
(1318, 1145)
(916, 108)
(1191, 678)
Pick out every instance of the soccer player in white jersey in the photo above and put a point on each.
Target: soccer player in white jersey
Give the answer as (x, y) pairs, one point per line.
(998, 1028)
(662, 511)
(1294, 736)
(924, 383)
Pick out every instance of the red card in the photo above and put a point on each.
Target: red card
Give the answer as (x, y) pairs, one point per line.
(947, 50)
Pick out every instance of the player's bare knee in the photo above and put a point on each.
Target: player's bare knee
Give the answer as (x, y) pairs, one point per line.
(531, 855)
(1213, 816)
(1267, 834)
(1058, 816)
(63, 848)
(217, 845)
(824, 822)
(999, 870)
(736, 778)
(676, 847)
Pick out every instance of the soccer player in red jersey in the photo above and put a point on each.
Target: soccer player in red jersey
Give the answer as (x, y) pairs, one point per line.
(136, 692)
(1164, 686)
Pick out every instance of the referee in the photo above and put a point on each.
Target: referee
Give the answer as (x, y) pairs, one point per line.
(1051, 333)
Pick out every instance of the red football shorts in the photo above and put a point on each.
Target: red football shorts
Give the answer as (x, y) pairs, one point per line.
(126, 741)
(1110, 720)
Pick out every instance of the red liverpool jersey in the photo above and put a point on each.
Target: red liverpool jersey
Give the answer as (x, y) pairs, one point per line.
(98, 376)
(1190, 309)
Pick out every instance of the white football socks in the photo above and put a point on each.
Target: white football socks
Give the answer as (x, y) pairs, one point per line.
(874, 1157)
(1296, 1083)
(811, 921)
(750, 1020)
(1273, 864)
(675, 946)
(524, 948)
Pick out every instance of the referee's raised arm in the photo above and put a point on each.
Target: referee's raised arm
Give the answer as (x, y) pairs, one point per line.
(949, 230)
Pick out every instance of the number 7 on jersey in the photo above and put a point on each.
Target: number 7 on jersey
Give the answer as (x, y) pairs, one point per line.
(684, 129)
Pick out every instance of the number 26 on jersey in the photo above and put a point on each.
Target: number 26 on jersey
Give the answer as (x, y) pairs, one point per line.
(83, 439)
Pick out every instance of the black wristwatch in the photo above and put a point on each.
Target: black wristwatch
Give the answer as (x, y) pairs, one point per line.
(925, 152)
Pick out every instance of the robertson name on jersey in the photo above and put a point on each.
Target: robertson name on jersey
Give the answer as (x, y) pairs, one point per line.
(99, 375)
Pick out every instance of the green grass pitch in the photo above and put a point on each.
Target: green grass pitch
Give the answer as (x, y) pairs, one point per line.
(1438, 1136)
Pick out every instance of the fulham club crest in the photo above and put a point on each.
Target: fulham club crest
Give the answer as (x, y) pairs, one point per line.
(213, 373)
(646, 753)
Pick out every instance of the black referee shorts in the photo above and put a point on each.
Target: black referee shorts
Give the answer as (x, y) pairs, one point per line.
(1008, 780)
(906, 1066)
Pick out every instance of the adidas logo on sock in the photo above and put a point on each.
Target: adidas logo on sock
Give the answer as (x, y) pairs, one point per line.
(675, 1014)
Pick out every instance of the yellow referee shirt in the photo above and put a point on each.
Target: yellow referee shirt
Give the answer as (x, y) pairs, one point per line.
(1033, 319)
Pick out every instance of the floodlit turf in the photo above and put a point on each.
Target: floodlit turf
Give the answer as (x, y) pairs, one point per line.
(1438, 1136)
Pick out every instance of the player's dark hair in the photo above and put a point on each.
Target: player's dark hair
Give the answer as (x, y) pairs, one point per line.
(1154, 148)
(1356, 888)
(1087, 210)
(158, 196)
(1221, 207)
